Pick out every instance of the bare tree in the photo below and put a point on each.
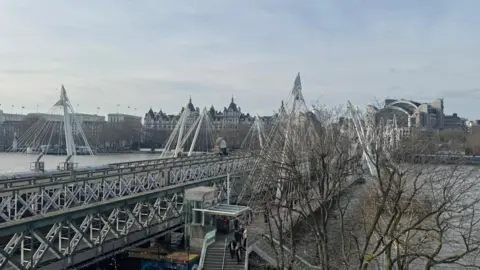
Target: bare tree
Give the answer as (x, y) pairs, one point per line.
(309, 160)
(417, 212)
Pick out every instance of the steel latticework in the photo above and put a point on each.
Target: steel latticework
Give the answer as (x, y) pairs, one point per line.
(71, 216)
(255, 138)
(292, 132)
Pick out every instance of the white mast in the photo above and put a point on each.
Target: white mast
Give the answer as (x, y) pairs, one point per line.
(67, 123)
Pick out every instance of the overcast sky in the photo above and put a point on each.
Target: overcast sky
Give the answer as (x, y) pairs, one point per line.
(144, 54)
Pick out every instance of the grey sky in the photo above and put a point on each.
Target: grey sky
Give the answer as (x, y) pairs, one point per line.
(156, 53)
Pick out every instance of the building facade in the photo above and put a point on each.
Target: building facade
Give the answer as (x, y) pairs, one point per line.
(411, 114)
(11, 125)
(121, 132)
(18, 125)
(230, 123)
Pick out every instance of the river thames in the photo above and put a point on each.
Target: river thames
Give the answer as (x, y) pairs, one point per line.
(20, 162)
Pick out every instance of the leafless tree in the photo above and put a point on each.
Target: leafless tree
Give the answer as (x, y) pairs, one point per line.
(308, 162)
(415, 210)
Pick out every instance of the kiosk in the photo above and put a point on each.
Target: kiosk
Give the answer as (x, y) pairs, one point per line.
(197, 224)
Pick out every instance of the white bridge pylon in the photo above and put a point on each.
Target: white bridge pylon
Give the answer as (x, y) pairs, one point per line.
(368, 131)
(293, 129)
(68, 120)
(199, 131)
(59, 131)
(255, 138)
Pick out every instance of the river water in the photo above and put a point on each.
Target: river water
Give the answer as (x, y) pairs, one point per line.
(18, 162)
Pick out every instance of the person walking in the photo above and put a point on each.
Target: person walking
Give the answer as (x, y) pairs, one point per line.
(235, 223)
(245, 237)
(238, 252)
(232, 247)
(226, 226)
(238, 237)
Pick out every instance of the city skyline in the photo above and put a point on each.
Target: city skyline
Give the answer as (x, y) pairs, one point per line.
(159, 53)
(13, 109)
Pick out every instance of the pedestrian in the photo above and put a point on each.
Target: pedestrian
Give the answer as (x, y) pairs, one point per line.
(226, 225)
(232, 247)
(235, 223)
(238, 251)
(238, 237)
(245, 237)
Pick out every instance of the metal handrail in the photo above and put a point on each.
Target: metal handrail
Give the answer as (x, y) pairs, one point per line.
(305, 262)
(206, 243)
(224, 253)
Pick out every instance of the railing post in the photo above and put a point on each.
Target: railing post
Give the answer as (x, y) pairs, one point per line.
(224, 253)
(228, 188)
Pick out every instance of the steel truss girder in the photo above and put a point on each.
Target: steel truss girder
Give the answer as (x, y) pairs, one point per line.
(17, 203)
(36, 178)
(60, 234)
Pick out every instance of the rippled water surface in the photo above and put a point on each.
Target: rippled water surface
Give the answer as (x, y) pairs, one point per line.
(17, 162)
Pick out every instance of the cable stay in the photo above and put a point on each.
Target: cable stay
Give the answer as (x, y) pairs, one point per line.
(194, 132)
(60, 131)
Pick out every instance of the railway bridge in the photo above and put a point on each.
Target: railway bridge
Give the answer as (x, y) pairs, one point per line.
(53, 222)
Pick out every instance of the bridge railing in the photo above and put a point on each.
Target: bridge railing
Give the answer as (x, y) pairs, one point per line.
(272, 243)
(207, 241)
(87, 173)
(106, 168)
(224, 252)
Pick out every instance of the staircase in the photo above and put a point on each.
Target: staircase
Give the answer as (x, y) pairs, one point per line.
(214, 258)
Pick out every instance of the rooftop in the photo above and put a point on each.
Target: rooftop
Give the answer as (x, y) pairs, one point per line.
(225, 210)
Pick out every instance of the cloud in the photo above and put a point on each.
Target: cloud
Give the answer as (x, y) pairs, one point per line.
(158, 53)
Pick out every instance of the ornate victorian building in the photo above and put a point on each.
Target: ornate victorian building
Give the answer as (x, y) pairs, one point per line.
(230, 123)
